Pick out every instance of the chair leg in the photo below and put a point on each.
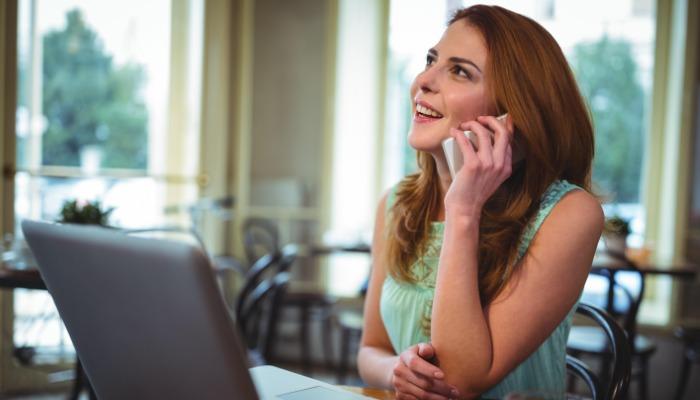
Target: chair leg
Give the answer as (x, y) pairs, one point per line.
(78, 382)
(344, 350)
(606, 362)
(683, 380)
(305, 339)
(326, 335)
(571, 385)
(643, 384)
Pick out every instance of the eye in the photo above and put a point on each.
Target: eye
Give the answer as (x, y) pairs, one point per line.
(429, 60)
(462, 72)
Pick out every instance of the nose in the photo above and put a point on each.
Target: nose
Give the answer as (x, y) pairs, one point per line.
(426, 81)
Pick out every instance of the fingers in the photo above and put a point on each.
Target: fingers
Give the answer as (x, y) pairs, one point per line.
(503, 149)
(405, 381)
(495, 150)
(502, 131)
(417, 364)
(465, 146)
(426, 351)
(414, 375)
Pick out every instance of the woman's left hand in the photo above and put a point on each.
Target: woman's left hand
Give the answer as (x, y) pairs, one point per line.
(484, 170)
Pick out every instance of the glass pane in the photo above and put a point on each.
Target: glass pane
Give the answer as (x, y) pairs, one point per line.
(104, 92)
(612, 55)
(93, 83)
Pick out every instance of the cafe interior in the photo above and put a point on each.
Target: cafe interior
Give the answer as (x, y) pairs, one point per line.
(266, 131)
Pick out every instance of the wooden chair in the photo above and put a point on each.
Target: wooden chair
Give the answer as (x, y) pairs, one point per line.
(619, 350)
(262, 235)
(579, 369)
(691, 354)
(350, 324)
(585, 340)
(258, 304)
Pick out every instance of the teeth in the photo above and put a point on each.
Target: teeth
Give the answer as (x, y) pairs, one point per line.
(427, 111)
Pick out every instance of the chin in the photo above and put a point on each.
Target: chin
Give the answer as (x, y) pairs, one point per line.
(425, 141)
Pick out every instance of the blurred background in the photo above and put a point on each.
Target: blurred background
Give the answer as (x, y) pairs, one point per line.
(202, 114)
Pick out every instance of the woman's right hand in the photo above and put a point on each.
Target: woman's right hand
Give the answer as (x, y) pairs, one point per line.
(414, 377)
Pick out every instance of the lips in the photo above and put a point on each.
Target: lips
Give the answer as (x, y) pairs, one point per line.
(426, 113)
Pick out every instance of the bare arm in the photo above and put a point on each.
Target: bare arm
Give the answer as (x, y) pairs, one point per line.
(478, 346)
(376, 356)
(409, 374)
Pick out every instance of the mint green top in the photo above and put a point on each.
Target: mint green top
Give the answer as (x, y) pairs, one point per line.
(403, 309)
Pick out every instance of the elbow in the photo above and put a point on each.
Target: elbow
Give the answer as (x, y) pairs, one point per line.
(467, 389)
(470, 378)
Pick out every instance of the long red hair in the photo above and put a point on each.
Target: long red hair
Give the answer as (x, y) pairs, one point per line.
(529, 78)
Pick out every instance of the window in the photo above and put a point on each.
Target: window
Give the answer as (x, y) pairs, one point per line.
(108, 105)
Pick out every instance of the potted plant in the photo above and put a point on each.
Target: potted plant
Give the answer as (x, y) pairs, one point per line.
(90, 213)
(615, 231)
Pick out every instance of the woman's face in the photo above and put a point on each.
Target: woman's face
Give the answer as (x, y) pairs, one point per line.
(451, 89)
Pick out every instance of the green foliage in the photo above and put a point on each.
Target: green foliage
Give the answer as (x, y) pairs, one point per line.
(608, 77)
(618, 225)
(89, 101)
(90, 213)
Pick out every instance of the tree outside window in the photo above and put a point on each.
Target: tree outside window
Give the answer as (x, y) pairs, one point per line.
(89, 102)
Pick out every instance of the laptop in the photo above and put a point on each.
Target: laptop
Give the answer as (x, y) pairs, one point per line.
(148, 321)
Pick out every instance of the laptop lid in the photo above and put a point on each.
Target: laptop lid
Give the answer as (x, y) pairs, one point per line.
(145, 315)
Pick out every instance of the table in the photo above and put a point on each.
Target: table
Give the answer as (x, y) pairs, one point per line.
(380, 394)
(11, 278)
(21, 279)
(320, 296)
(327, 249)
(609, 265)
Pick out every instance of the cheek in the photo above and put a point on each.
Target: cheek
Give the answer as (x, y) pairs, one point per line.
(466, 107)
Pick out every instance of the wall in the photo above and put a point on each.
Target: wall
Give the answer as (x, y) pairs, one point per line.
(690, 291)
(288, 102)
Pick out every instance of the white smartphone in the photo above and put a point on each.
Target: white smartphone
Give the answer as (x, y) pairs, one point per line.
(454, 154)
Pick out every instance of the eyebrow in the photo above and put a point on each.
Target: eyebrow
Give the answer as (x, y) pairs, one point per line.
(457, 60)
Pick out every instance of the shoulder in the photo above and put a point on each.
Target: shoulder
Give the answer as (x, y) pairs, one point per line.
(384, 200)
(383, 207)
(563, 248)
(579, 209)
(571, 231)
(387, 200)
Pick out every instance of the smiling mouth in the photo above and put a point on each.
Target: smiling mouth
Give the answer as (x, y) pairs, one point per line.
(425, 112)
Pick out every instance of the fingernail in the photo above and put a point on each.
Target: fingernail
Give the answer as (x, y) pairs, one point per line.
(439, 375)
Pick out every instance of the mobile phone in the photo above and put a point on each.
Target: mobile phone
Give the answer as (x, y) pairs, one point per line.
(453, 154)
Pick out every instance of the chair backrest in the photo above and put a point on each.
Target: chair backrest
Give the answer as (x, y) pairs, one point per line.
(258, 316)
(628, 292)
(619, 346)
(260, 237)
(578, 368)
(259, 300)
(266, 265)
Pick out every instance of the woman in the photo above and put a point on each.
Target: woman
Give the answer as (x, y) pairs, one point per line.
(475, 278)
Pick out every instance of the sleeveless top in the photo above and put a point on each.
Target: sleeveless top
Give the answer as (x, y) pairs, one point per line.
(403, 307)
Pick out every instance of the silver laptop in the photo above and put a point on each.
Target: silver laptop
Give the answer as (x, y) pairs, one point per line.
(148, 321)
